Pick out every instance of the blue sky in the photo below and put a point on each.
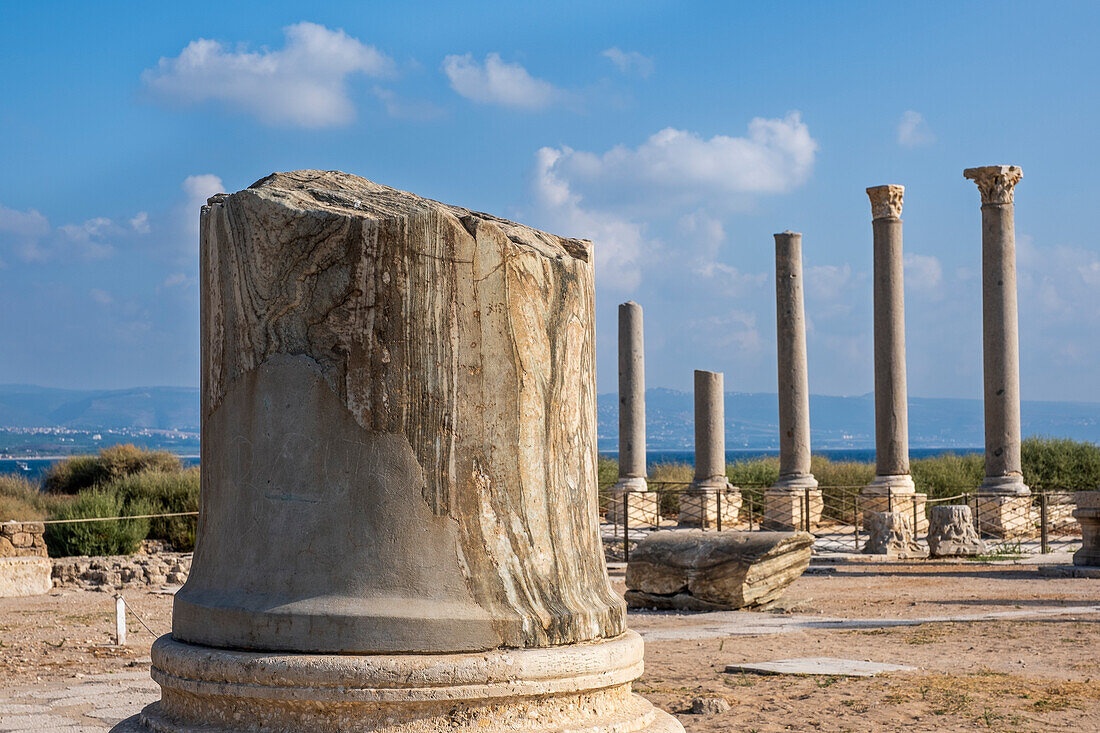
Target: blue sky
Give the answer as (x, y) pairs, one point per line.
(677, 136)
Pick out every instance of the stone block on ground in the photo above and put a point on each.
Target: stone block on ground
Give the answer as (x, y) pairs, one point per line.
(891, 535)
(785, 510)
(24, 576)
(22, 539)
(702, 508)
(1006, 516)
(642, 509)
(1088, 515)
(910, 504)
(697, 570)
(951, 532)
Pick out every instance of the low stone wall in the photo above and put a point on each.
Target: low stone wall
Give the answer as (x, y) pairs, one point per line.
(22, 539)
(121, 571)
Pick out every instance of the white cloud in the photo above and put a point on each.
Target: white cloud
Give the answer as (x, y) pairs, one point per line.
(618, 244)
(304, 84)
(140, 223)
(913, 131)
(498, 82)
(29, 236)
(923, 273)
(679, 168)
(101, 296)
(828, 282)
(629, 61)
(701, 237)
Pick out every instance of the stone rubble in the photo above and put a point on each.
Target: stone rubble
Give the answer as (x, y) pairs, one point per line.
(121, 571)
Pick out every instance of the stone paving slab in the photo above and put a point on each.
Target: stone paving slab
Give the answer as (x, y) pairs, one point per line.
(721, 624)
(91, 704)
(830, 666)
(1069, 571)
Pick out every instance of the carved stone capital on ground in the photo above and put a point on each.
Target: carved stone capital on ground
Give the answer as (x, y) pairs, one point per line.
(886, 201)
(995, 182)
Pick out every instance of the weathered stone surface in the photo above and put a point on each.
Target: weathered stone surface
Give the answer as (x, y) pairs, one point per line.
(709, 705)
(122, 571)
(1088, 515)
(794, 385)
(398, 520)
(580, 687)
(786, 509)
(24, 576)
(910, 504)
(410, 386)
(951, 532)
(22, 539)
(710, 499)
(891, 534)
(696, 570)
(1006, 515)
(1000, 340)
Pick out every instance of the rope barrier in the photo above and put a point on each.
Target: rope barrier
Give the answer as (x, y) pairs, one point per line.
(108, 519)
(137, 616)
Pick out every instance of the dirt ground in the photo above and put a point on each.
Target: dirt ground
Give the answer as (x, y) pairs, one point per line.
(1011, 650)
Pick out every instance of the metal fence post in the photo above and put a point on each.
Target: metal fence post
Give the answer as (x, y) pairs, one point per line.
(806, 510)
(718, 506)
(1044, 517)
(626, 526)
(916, 530)
(855, 520)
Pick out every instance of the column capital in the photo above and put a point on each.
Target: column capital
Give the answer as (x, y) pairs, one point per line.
(995, 182)
(886, 201)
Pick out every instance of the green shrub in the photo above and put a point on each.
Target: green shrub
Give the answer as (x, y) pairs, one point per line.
(121, 537)
(20, 499)
(71, 475)
(948, 475)
(163, 492)
(1057, 463)
(759, 473)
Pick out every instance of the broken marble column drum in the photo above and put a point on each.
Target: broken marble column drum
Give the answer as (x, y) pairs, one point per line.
(710, 500)
(398, 521)
(641, 506)
(785, 502)
(1004, 500)
(892, 489)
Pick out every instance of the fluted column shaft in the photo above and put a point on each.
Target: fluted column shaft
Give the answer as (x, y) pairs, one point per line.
(794, 388)
(632, 448)
(1000, 330)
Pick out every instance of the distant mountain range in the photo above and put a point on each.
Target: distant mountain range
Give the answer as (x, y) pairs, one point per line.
(155, 408)
(751, 419)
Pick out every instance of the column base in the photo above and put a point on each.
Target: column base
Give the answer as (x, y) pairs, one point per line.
(890, 484)
(643, 506)
(699, 505)
(1005, 515)
(785, 505)
(1088, 516)
(579, 687)
(1011, 485)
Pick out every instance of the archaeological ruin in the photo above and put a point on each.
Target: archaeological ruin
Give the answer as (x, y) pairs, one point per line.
(394, 534)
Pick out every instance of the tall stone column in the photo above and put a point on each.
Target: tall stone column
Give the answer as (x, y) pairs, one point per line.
(632, 470)
(398, 521)
(641, 507)
(795, 477)
(891, 405)
(893, 489)
(1004, 477)
(710, 495)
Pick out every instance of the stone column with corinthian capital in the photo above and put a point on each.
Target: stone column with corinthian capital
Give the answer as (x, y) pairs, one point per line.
(1004, 477)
